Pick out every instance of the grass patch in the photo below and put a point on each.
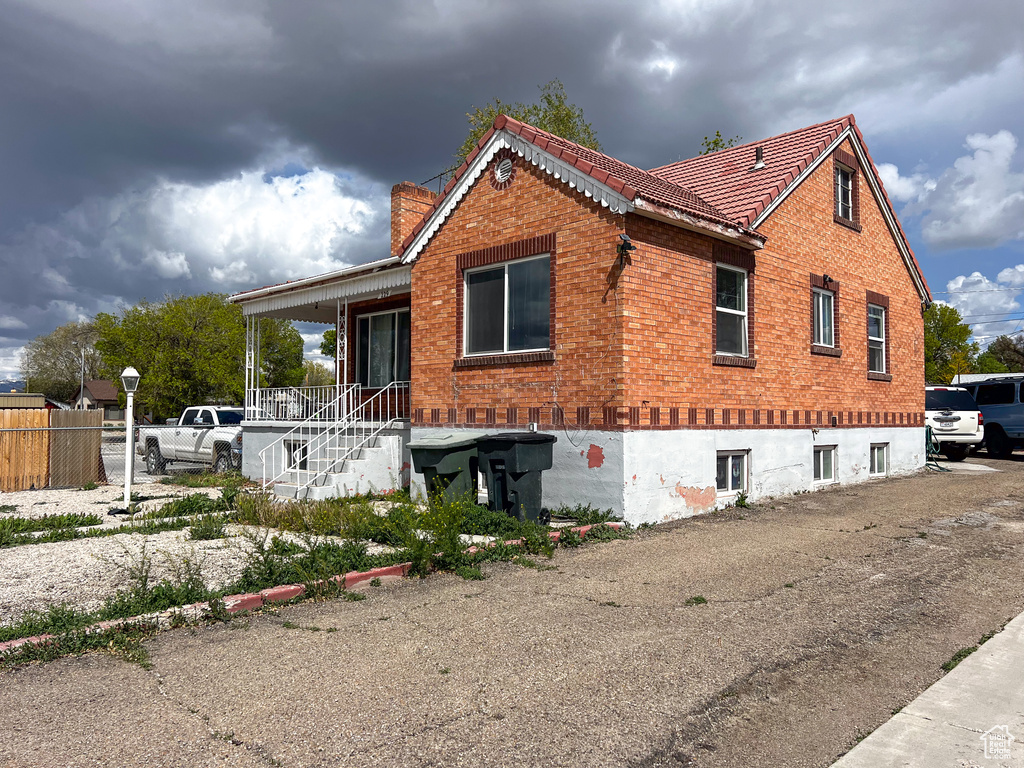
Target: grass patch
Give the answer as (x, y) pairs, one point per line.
(124, 641)
(6, 509)
(90, 486)
(957, 657)
(696, 600)
(584, 514)
(205, 479)
(50, 522)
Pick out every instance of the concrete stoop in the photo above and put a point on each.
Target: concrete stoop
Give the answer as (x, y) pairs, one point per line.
(374, 468)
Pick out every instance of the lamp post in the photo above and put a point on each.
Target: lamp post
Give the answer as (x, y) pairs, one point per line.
(130, 379)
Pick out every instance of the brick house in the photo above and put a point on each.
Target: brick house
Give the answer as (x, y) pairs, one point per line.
(748, 321)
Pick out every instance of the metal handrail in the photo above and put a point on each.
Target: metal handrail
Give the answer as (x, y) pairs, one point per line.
(333, 411)
(293, 403)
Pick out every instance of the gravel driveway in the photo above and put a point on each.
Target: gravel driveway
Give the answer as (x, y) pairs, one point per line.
(825, 613)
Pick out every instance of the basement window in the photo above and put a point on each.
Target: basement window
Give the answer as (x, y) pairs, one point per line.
(879, 459)
(731, 472)
(508, 307)
(825, 464)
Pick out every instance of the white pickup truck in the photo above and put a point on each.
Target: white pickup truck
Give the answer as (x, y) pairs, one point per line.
(207, 434)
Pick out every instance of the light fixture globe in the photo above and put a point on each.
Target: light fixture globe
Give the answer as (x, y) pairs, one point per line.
(130, 379)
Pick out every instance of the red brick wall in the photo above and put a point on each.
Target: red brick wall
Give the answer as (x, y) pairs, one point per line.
(636, 349)
(587, 331)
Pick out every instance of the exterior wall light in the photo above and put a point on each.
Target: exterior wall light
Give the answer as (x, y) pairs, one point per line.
(623, 250)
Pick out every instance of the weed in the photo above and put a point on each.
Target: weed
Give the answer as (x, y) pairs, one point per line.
(957, 657)
(205, 479)
(696, 600)
(789, 585)
(610, 604)
(741, 500)
(291, 625)
(6, 509)
(90, 486)
(375, 581)
(584, 514)
(124, 640)
(445, 670)
(207, 527)
(922, 535)
(470, 573)
(869, 526)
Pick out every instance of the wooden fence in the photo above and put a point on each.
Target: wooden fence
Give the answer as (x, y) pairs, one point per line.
(38, 457)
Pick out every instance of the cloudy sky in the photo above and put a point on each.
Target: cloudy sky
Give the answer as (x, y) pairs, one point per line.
(152, 147)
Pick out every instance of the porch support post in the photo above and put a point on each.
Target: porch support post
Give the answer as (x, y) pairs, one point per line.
(250, 405)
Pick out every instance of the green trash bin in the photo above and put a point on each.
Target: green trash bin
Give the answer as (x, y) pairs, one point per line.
(448, 464)
(512, 463)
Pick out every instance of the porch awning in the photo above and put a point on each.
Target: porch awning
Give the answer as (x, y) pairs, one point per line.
(314, 299)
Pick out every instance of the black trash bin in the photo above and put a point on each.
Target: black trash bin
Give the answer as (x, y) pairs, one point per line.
(512, 463)
(448, 464)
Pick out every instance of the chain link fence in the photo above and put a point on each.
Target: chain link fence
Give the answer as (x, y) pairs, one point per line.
(37, 457)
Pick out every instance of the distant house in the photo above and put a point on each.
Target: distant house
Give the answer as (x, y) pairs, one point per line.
(100, 394)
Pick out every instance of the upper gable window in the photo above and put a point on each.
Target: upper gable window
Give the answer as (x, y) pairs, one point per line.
(847, 190)
(508, 307)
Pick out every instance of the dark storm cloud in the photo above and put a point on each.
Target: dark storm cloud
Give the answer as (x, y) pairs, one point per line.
(126, 126)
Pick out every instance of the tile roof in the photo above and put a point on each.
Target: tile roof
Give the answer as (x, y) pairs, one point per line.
(726, 178)
(628, 180)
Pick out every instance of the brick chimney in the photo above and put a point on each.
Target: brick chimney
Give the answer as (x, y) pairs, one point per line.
(409, 202)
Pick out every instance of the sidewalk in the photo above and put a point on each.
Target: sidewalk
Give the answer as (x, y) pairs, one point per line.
(950, 724)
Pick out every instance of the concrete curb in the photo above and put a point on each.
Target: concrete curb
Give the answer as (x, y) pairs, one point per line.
(232, 604)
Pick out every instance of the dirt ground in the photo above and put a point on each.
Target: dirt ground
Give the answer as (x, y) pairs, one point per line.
(825, 613)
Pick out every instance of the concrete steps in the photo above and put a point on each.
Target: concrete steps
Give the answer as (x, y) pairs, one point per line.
(372, 468)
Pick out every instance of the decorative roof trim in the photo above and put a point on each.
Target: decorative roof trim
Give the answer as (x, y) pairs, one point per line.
(553, 166)
(326, 277)
(375, 282)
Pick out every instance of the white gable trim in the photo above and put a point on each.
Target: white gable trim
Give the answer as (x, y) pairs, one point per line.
(559, 169)
(876, 191)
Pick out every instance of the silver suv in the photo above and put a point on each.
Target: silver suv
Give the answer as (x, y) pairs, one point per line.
(955, 420)
(1000, 402)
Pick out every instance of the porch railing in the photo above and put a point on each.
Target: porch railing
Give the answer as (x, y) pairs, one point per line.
(298, 403)
(312, 450)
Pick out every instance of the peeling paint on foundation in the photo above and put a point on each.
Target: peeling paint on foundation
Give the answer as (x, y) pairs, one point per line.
(595, 457)
(697, 499)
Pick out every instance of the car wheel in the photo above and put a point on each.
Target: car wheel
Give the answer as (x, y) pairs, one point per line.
(999, 445)
(155, 463)
(955, 451)
(222, 463)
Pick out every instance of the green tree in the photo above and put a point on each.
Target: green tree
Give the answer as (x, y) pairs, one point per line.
(53, 362)
(317, 374)
(716, 142)
(552, 113)
(989, 363)
(191, 349)
(948, 349)
(1009, 351)
(328, 347)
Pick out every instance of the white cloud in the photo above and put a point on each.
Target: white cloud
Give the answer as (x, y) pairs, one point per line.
(169, 265)
(12, 323)
(978, 203)
(986, 304)
(10, 361)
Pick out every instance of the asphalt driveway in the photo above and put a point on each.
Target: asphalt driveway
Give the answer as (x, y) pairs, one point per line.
(824, 613)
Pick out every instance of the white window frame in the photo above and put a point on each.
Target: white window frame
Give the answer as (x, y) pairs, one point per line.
(878, 449)
(465, 308)
(844, 183)
(742, 313)
(732, 456)
(820, 294)
(368, 317)
(818, 465)
(879, 340)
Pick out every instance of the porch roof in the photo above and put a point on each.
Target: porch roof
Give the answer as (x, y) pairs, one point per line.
(313, 299)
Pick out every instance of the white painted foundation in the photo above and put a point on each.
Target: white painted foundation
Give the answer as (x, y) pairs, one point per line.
(658, 475)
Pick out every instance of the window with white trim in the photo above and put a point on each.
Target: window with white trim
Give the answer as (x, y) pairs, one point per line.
(730, 311)
(844, 192)
(824, 317)
(382, 348)
(508, 307)
(876, 339)
(879, 459)
(731, 472)
(825, 464)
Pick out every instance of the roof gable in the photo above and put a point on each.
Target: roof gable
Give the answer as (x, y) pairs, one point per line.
(728, 179)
